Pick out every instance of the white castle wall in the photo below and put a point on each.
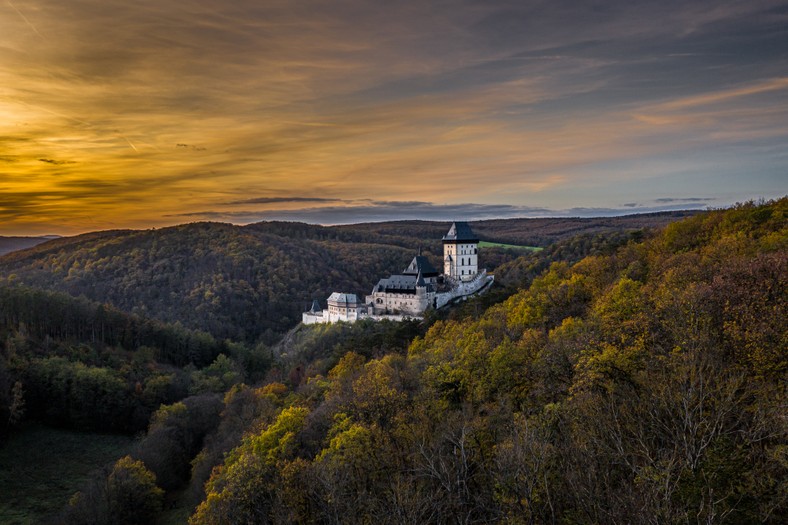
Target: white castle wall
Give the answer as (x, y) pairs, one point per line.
(324, 318)
(314, 318)
(464, 289)
(399, 303)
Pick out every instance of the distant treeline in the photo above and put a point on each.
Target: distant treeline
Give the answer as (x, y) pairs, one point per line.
(41, 314)
(526, 232)
(75, 363)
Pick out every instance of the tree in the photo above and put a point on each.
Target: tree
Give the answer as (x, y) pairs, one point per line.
(132, 493)
(17, 407)
(245, 489)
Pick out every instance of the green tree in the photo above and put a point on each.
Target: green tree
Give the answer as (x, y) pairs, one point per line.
(245, 489)
(134, 498)
(17, 407)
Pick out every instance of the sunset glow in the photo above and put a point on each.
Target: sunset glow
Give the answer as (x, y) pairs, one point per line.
(145, 114)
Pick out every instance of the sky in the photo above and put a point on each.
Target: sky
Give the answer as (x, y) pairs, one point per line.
(143, 114)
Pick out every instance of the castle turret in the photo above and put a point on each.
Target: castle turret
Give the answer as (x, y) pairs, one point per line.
(460, 252)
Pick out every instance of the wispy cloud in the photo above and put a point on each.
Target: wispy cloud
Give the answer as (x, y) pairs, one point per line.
(670, 200)
(24, 18)
(56, 162)
(776, 84)
(280, 200)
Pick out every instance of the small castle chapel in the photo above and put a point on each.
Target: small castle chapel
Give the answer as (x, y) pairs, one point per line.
(420, 286)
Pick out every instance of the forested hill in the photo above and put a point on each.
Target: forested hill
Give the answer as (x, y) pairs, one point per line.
(641, 387)
(233, 282)
(252, 282)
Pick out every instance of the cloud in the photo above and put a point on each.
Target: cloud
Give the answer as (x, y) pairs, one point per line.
(375, 211)
(614, 212)
(56, 162)
(715, 97)
(668, 200)
(278, 200)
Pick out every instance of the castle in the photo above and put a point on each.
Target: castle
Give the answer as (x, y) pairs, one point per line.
(420, 286)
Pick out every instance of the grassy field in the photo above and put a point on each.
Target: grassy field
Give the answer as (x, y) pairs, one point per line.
(41, 467)
(486, 244)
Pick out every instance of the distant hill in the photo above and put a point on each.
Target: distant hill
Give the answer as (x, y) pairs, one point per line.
(12, 244)
(527, 232)
(252, 282)
(234, 282)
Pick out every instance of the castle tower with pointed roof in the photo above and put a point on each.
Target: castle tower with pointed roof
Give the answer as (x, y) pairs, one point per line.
(460, 252)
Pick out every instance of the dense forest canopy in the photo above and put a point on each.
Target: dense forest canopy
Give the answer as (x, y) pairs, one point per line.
(90, 366)
(624, 376)
(233, 282)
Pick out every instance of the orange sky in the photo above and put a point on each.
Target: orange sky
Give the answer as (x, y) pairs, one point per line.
(149, 113)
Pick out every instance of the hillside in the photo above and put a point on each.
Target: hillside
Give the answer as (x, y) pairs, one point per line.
(233, 282)
(646, 386)
(87, 366)
(249, 283)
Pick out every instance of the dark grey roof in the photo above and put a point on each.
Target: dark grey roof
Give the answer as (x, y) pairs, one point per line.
(421, 264)
(315, 307)
(401, 284)
(460, 231)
